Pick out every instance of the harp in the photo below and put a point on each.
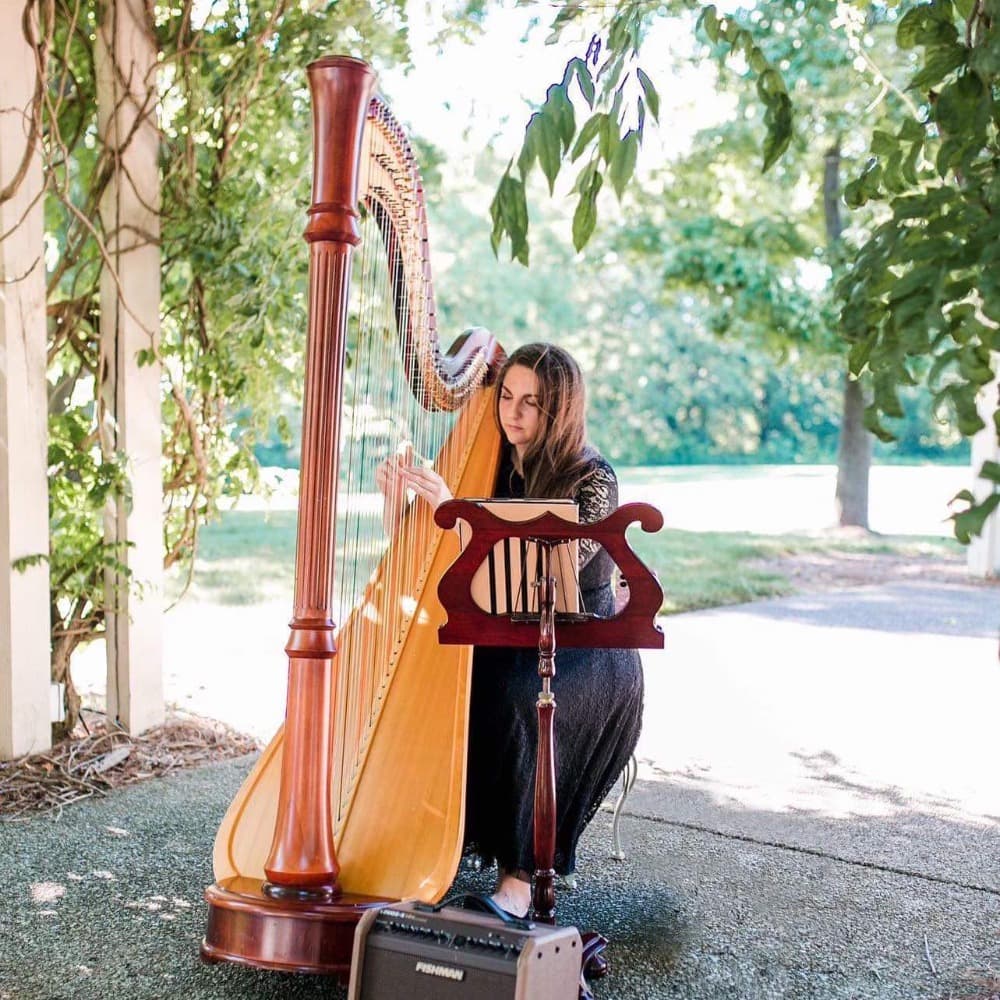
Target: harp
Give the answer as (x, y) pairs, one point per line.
(359, 798)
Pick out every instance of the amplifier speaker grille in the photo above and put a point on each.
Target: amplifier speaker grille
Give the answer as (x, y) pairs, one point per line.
(410, 952)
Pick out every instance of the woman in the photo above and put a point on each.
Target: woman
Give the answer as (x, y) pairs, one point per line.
(540, 409)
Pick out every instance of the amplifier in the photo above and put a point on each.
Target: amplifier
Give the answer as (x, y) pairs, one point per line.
(414, 951)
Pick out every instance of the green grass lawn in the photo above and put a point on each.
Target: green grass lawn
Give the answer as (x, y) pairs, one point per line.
(707, 569)
(249, 556)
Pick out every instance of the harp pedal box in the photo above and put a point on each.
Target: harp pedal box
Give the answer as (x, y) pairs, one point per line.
(412, 951)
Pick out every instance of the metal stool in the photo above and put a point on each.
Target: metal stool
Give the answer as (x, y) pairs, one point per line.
(628, 777)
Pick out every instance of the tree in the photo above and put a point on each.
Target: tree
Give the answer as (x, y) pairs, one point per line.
(921, 297)
(683, 308)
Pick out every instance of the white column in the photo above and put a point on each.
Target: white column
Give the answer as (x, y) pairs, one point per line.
(984, 550)
(130, 307)
(25, 678)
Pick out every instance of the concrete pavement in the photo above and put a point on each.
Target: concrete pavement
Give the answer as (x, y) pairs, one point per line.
(817, 816)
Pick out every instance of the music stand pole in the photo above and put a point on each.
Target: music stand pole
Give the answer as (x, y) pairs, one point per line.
(543, 893)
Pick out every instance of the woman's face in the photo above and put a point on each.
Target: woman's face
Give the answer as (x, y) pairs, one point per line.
(520, 414)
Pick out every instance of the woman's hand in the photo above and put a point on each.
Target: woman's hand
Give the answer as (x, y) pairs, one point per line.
(397, 474)
(389, 479)
(426, 484)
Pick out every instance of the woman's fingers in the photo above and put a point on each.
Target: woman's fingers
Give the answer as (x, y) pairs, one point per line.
(395, 474)
(427, 484)
(388, 477)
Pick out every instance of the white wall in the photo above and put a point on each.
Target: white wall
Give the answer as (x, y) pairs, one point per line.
(130, 309)
(24, 523)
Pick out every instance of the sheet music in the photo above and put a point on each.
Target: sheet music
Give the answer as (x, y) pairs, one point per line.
(503, 582)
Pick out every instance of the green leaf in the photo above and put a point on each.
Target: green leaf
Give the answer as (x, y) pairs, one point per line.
(884, 143)
(939, 62)
(587, 134)
(609, 138)
(509, 212)
(862, 189)
(975, 366)
(909, 169)
(893, 176)
(757, 60)
(927, 24)
(563, 115)
(23, 563)
(860, 353)
(586, 176)
(585, 80)
(948, 154)
(549, 146)
(529, 148)
(585, 216)
(990, 471)
(985, 57)
(941, 363)
(874, 425)
(912, 130)
(778, 119)
(963, 398)
(622, 164)
(770, 84)
(709, 20)
(649, 92)
(570, 10)
(970, 523)
(887, 394)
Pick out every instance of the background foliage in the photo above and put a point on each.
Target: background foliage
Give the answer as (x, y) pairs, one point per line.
(714, 318)
(234, 144)
(918, 300)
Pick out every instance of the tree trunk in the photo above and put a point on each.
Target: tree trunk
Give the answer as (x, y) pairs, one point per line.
(854, 458)
(854, 450)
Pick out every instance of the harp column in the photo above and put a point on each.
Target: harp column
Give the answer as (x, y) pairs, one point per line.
(303, 859)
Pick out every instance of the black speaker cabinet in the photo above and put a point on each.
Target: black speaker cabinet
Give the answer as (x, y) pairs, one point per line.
(411, 952)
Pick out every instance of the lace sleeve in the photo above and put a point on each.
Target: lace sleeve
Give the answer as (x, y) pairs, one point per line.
(597, 497)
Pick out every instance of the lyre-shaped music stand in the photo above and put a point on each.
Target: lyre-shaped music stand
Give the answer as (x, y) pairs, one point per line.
(632, 627)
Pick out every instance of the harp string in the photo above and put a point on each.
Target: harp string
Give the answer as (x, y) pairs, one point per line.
(384, 387)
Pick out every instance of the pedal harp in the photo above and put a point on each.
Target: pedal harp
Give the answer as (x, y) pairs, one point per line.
(360, 797)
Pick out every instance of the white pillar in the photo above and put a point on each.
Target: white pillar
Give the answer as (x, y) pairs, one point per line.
(25, 677)
(984, 550)
(130, 308)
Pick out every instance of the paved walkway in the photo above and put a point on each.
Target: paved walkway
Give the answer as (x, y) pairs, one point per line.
(817, 816)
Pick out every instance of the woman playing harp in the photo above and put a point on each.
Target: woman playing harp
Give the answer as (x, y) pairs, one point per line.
(539, 407)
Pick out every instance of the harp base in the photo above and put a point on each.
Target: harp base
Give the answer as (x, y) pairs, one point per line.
(247, 927)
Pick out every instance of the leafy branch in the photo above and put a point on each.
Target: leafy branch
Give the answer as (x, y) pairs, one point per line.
(610, 84)
(926, 286)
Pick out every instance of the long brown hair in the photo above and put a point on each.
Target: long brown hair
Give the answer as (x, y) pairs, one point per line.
(559, 458)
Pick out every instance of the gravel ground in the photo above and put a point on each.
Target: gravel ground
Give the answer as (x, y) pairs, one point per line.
(106, 903)
(818, 816)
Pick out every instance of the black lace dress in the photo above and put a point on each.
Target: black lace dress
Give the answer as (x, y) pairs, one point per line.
(598, 715)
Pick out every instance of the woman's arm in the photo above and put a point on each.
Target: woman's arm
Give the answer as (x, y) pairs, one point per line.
(426, 484)
(597, 497)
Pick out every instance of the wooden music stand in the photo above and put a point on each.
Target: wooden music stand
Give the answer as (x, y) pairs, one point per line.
(631, 628)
